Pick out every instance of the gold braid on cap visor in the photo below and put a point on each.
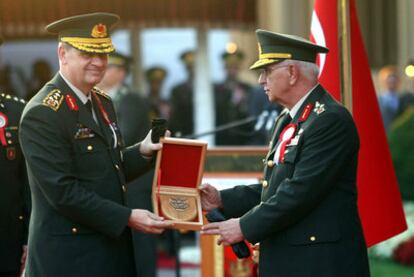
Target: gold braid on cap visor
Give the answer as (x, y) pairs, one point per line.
(275, 56)
(92, 45)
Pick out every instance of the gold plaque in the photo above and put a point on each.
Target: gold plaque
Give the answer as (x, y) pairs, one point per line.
(178, 173)
(179, 207)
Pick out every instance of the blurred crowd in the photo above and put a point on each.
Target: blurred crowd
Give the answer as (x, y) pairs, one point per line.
(397, 110)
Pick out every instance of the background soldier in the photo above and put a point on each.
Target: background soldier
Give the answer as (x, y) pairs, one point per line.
(133, 118)
(159, 108)
(232, 98)
(131, 108)
(182, 118)
(14, 189)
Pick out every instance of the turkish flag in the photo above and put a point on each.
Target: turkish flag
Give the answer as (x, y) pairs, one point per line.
(379, 200)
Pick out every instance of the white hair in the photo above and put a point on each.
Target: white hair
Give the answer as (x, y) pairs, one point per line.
(308, 69)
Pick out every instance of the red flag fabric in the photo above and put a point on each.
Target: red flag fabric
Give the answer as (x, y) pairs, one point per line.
(379, 200)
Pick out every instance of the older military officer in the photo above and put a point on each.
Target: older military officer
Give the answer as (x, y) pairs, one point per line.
(14, 189)
(304, 213)
(77, 165)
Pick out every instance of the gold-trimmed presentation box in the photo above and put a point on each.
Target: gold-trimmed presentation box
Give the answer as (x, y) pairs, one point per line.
(178, 174)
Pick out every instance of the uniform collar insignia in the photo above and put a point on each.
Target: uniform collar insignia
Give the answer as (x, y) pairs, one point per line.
(306, 112)
(319, 108)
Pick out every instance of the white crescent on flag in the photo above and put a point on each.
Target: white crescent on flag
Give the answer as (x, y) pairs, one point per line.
(319, 38)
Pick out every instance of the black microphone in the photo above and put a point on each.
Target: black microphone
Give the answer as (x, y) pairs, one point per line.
(240, 249)
(158, 127)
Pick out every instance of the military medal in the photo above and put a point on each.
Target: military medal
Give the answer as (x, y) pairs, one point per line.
(84, 132)
(3, 123)
(71, 102)
(285, 138)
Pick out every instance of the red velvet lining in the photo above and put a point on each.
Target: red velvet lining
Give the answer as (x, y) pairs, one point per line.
(180, 165)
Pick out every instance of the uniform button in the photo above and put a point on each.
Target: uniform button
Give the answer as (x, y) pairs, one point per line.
(21, 217)
(90, 147)
(270, 163)
(9, 141)
(117, 167)
(264, 183)
(264, 161)
(124, 188)
(312, 238)
(74, 230)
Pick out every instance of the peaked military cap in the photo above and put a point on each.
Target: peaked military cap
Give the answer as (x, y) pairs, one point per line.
(276, 47)
(117, 59)
(233, 57)
(156, 73)
(86, 32)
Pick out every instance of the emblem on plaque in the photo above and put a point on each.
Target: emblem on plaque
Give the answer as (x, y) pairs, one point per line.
(178, 207)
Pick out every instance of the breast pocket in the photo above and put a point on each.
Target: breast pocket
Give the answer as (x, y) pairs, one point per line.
(92, 157)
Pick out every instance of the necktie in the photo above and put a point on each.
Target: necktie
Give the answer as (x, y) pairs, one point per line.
(88, 106)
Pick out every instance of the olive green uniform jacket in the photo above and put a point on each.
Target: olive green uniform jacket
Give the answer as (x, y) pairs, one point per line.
(78, 182)
(14, 188)
(304, 214)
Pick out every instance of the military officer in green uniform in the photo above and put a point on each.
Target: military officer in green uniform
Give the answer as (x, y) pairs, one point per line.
(131, 108)
(77, 165)
(159, 107)
(304, 213)
(14, 189)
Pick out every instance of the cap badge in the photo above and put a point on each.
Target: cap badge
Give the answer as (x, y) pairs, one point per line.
(99, 31)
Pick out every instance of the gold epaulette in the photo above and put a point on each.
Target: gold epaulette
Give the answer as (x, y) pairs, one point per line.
(101, 92)
(54, 99)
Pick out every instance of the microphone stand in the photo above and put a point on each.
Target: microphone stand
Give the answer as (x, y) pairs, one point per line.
(224, 127)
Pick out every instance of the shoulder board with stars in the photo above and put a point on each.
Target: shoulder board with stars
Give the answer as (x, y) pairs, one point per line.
(54, 99)
(11, 97)
(101, 92)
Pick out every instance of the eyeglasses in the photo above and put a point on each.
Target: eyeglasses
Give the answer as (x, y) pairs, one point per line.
(266, 71)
